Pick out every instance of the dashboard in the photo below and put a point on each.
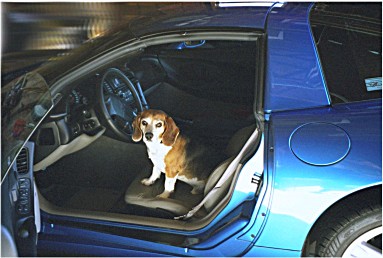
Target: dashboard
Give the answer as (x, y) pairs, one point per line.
(80, 115)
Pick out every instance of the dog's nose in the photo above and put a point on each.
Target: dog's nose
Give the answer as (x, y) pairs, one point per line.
(149, 136)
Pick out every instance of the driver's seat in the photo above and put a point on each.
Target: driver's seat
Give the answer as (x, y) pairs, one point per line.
(182, 201)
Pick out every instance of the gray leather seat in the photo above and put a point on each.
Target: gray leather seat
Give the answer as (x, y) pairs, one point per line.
(181, 200)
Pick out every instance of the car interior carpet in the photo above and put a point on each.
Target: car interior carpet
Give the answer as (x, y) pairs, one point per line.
(94, 199)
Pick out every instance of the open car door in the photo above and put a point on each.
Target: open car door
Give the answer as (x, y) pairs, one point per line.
(25, 102)
(20, 214)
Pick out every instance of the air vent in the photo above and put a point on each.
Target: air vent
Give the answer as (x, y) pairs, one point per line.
(22, 162)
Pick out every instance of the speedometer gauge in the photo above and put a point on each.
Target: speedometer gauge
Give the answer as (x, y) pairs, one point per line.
(76, 99)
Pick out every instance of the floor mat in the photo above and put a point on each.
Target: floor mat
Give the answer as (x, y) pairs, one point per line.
(58, 194)
(95, 199)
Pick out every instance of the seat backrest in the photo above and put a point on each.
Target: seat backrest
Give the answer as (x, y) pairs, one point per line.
(233, 148)
(238, 140)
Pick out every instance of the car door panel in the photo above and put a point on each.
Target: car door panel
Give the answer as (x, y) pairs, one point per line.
(7, 217)
(18, 211)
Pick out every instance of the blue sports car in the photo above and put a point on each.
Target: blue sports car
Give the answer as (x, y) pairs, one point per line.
(286, 96)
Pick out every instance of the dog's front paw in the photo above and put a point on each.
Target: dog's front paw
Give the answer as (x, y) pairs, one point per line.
(165, 194)
(147, 181)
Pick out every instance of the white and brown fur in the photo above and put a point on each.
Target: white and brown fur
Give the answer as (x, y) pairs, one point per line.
(170, 152)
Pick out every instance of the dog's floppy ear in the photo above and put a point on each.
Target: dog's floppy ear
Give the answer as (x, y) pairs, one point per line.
(137, 133)
(171, 132)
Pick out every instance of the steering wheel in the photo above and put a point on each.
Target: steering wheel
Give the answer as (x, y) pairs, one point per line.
(120, 102)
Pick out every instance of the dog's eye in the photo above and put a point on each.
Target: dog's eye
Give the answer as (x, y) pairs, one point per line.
(158, 125)
(144, 123)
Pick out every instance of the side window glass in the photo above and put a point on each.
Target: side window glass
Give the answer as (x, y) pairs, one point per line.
(349, 42)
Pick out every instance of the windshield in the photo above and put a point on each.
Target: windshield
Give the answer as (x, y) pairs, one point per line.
(24, 102)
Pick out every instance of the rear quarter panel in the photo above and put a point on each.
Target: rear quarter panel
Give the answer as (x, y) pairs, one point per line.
(302, 192)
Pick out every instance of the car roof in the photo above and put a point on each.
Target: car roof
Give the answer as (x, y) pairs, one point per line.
(201, 16)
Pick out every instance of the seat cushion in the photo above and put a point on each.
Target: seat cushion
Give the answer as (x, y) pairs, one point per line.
(179, 203)
(182, 201)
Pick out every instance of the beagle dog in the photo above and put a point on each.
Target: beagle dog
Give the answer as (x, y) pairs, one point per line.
(170, 152)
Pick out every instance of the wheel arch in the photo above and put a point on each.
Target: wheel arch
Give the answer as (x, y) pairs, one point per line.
(354, 201)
